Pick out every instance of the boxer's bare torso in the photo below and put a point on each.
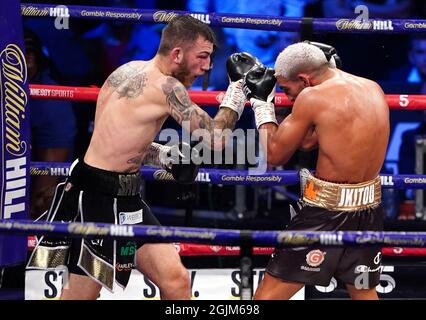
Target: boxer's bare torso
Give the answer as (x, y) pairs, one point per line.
(348, 117)
(129, 113)
(135, 101)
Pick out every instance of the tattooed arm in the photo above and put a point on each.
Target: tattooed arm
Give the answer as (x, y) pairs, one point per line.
(192, 117)
(153, 155)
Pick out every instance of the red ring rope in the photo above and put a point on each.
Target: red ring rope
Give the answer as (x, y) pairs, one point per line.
(41, 91)
(190, 249)
(409, 102)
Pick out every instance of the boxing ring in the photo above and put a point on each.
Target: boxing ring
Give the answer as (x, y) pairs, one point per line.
(204, 241)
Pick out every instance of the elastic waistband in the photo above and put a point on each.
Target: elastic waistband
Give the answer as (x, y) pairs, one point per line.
(339, 196)
(112, 183)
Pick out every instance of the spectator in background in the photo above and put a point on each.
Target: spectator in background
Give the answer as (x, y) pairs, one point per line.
(413, 79)
(73, 61)
(265, 45)
(414, 72)
(376, 9)
(52, 126)
(124, 41)
(387, 49)
(407, 165)
(407, 151)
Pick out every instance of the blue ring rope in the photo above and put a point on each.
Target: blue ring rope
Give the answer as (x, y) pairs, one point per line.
(215, 236)
(242, 177)
(259, 22)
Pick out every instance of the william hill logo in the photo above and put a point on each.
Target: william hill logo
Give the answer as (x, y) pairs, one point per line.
(163, 16)
(59, 11)
(205, 18)
(346, 24)
(164, 175)
(13, 99)
(382, 25)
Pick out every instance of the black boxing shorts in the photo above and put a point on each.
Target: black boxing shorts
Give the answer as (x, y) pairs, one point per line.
(316, 265)
(94, 195)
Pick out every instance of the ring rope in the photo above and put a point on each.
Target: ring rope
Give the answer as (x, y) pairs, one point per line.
(240, 177)
(259, 22)
(41, 91)
(189, 249)
(194, 250)
(215, 236)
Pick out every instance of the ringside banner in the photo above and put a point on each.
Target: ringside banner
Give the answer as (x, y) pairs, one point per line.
(15, 146)
(206, 284)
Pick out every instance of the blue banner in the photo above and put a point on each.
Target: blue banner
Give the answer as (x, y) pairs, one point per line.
(357, 24)
(15, 146)
(215, 176)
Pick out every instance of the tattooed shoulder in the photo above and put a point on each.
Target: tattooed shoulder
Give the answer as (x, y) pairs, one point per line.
(178, 99)
(128, 80)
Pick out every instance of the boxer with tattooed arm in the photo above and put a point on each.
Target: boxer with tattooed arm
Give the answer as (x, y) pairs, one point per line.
(104, 186)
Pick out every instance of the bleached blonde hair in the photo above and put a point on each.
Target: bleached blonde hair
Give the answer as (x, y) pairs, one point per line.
(297, 58)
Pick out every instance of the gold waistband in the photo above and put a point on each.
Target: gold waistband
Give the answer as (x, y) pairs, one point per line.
(339, 196)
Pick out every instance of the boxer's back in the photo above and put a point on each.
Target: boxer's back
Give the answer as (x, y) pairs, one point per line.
(352, 124)
(130, 111)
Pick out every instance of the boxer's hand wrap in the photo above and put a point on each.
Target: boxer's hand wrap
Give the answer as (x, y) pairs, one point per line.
(177, 160)
(259, 87)
(264, 112)
(237, 65)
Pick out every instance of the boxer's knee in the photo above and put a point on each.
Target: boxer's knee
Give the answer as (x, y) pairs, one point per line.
(176, 284)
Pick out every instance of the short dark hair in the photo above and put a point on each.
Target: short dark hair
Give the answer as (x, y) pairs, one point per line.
(184, 28)
(33, 45)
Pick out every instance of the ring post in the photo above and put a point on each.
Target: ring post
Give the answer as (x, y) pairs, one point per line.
(15, 146)
(246, 265)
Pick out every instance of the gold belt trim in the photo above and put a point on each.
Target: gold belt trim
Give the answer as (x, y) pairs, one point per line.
(97, 268)
(48, 257)
(339, 196)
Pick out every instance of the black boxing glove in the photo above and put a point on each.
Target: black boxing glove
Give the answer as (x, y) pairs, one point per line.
(237, 65)
(330, 53)
(178, 160)
(259, 88)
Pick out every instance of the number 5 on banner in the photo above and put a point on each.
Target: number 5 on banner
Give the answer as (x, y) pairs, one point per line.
(403, 100)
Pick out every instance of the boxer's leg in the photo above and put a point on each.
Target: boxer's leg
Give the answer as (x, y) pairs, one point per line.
(162, 265)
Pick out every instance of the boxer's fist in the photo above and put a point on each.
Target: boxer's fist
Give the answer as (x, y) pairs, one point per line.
(238, 64)
(259, 83)
(259, 87)
(178, 160)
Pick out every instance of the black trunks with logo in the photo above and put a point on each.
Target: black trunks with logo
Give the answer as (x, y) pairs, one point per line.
(94, 195)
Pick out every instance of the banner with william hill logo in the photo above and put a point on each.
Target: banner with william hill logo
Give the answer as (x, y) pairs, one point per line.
(15, 145)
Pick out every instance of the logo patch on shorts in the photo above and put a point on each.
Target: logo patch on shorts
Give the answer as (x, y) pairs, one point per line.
(377, 258)
(315, 257)
(131, 217)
